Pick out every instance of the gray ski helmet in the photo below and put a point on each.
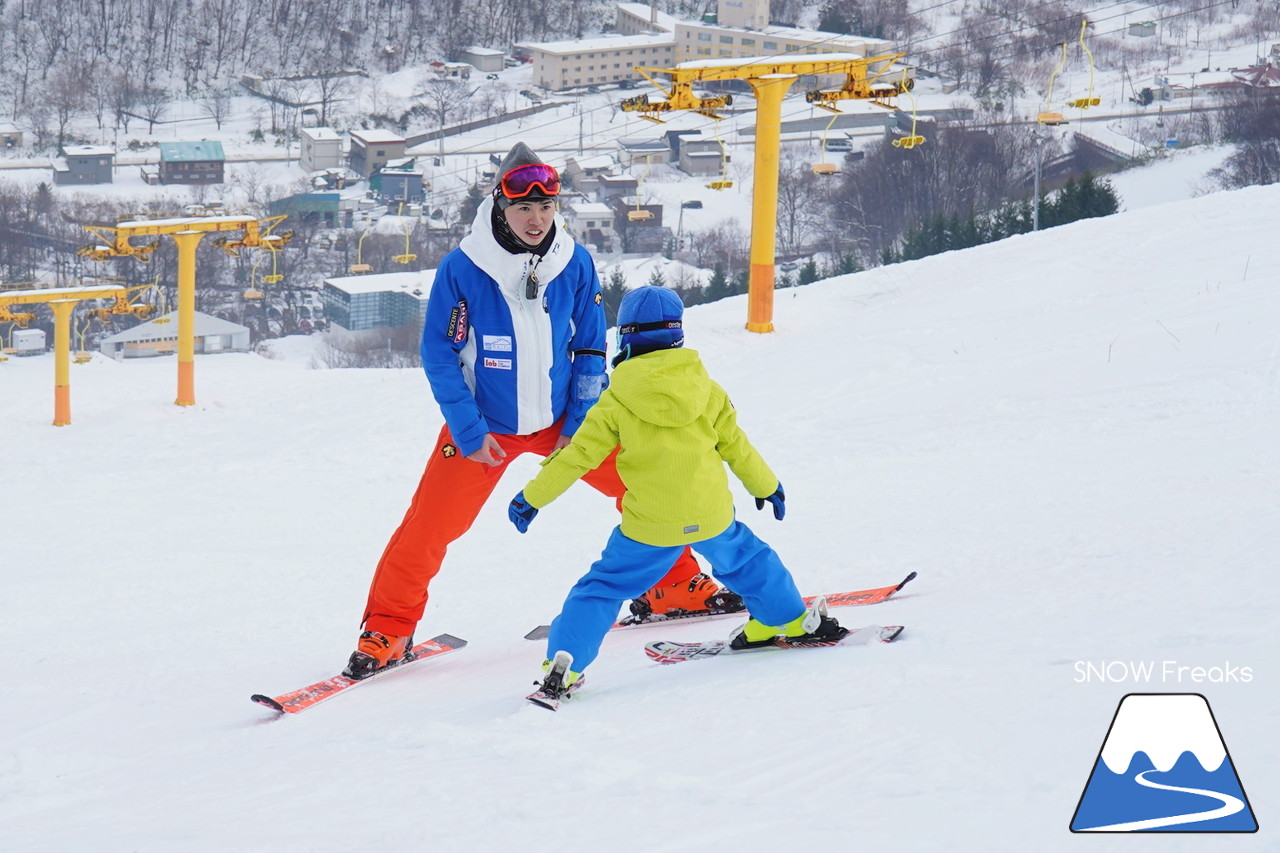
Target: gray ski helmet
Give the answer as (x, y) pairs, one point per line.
(519, 155)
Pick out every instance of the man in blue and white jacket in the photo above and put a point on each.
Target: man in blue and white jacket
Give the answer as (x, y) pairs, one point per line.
(514, 349)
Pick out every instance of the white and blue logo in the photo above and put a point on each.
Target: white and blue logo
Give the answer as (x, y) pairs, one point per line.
(1164, 767)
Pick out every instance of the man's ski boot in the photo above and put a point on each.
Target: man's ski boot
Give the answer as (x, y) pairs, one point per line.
(559, 683)
(811, 628)
(700, 594)
(376, 652)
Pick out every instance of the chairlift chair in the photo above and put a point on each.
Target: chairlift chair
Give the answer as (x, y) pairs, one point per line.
(723, 182)
(822, 167)
(1091, 100)
(359, 266)
(912, 139)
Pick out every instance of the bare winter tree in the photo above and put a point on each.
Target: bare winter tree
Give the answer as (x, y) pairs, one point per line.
(799, 207)
(444, 99)
(66, 94)
(217, 105)
(154, 101)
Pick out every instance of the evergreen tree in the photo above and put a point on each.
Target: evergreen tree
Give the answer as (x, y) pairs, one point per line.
(613, 290)
(848, 263)
(809, 271)
(718, 287)
(657, 279)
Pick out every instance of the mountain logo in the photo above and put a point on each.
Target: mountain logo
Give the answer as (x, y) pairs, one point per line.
(1163, 767)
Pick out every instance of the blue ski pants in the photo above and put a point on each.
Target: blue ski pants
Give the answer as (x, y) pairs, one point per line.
(627, 569)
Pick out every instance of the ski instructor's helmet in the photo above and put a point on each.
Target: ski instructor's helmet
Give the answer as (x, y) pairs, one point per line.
(650, 318)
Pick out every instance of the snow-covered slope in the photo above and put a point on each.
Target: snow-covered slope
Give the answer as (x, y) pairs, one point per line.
(1071, 436)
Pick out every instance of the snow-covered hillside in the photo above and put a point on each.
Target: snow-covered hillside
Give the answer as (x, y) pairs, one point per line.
(1071, 436)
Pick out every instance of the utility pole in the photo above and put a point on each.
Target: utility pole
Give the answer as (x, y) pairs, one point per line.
(1039, 139)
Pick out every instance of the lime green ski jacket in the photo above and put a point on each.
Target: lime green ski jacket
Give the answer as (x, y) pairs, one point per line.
(676, 429)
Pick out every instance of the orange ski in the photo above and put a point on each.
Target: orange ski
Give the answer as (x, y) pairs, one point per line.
(307, 697)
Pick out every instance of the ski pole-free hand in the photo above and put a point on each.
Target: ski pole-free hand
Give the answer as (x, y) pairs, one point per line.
(521, 513)
(489, 452)
(778, 499)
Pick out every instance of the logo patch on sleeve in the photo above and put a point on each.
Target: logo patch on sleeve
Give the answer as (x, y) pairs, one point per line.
(458, 322)
(599, 297)
(497, 363)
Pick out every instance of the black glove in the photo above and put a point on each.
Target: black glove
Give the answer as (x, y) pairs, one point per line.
(778, 499)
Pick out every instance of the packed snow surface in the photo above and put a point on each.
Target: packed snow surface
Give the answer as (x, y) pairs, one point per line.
(1070, 435)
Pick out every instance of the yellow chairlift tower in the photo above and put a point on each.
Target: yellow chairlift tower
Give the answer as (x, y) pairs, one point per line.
(62, 301)
(115, 242)
(769, 79)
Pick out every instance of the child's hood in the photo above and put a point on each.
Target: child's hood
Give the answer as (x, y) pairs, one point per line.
(667, 388)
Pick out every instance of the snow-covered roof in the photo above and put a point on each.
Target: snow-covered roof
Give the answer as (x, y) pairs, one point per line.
(417, 283)
(589, 208)
(87, 151)
(320, 133)
(475, 50)
(593, 161)
(645, 12)
(600, 43)
(632, 143)
(1260, 75)
(205, 324)
(376, 135)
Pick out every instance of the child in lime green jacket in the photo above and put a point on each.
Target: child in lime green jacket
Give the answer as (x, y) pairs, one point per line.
(676, 430)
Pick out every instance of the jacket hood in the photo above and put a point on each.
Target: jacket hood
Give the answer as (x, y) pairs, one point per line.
(508, 270)
(668, 388)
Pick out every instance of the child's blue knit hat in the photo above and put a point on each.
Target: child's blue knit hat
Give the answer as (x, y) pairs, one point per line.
(649, 319)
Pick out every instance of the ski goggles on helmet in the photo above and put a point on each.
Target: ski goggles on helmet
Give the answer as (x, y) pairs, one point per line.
(521, 181)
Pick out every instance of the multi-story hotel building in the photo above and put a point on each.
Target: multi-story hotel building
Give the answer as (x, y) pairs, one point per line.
(650, 38)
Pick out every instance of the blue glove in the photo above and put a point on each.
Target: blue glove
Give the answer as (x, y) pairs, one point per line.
(520, 512)
(777, 499)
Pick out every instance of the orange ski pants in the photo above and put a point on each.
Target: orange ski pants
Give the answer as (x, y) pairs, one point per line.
(450, 495)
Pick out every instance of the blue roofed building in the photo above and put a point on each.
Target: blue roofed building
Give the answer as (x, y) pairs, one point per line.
(192, 162)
